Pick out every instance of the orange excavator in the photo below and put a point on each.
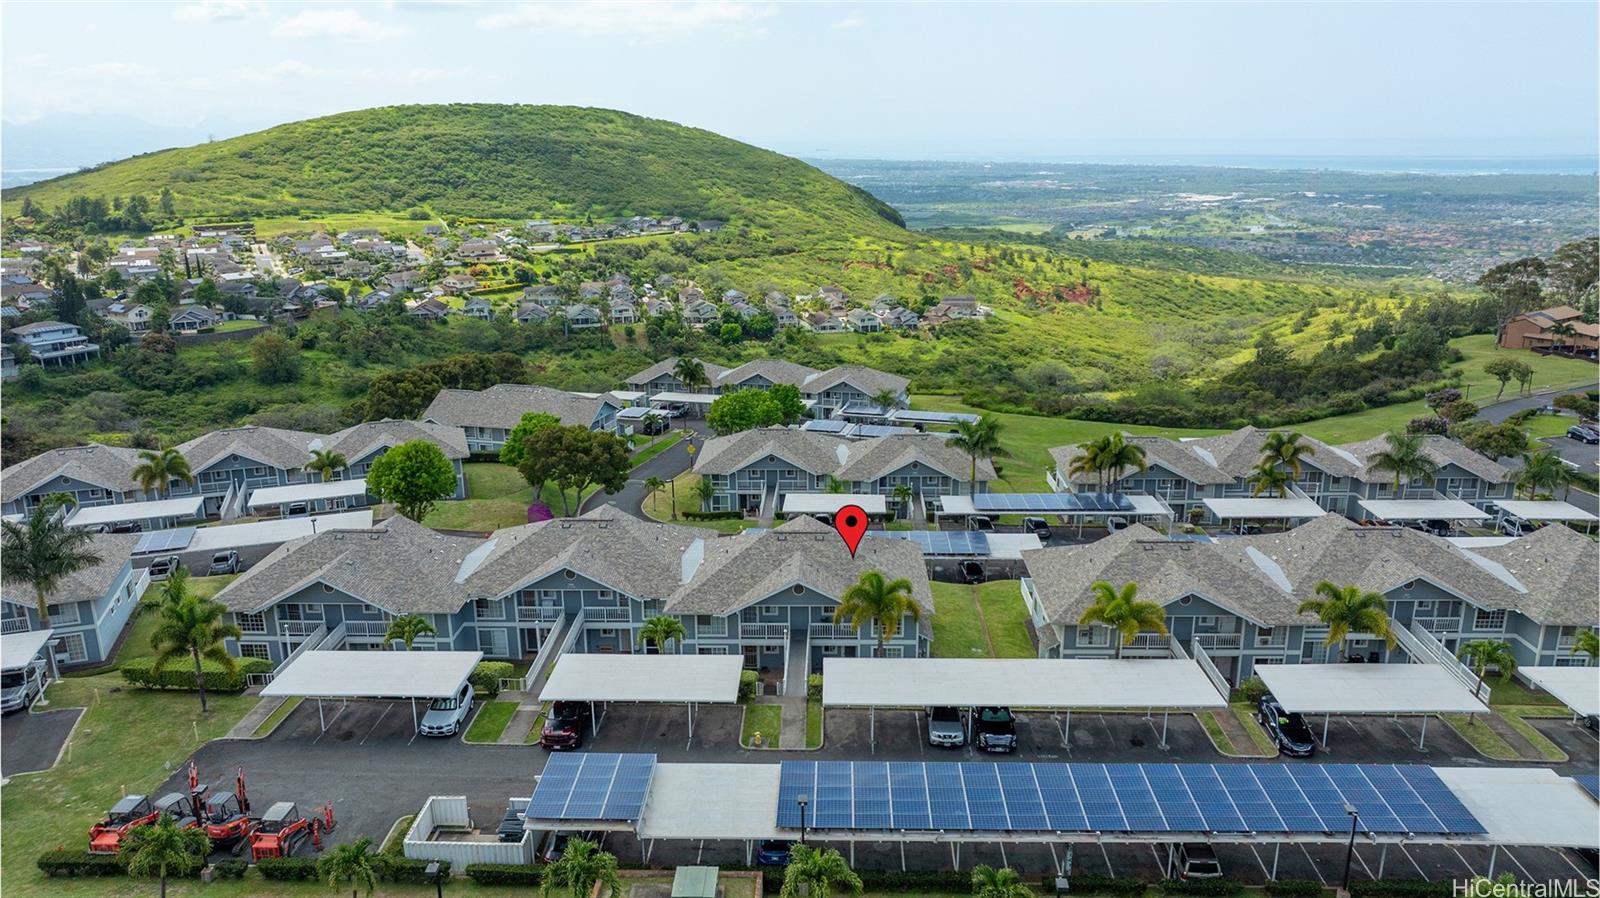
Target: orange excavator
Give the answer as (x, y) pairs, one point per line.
(225, 816)
(129, 813)
(282, 830)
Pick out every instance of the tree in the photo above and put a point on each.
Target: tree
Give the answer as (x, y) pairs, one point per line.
(660, 630)
(978, 439)
(581, 865)
(402, 394)
(166, 201)
(705, 491)
(653, 487)
(987, 882)
(887, 399)
(1117, 455)
(835, 486)
(1482, 654)
(691, 373)
(1121, 610)
(1270, 479)
(1349, 609)
(903, 494)
(1503, 440)
(350, 864)
(274, 360)
(786, 405)
(876, 598)
(1286, 448)
(162, 849)
(1459, 411)
(575, 458)
(817, 873)
(42, 551)
(157, 469)
(190, 625)
(1544, 471)
(730, 334)
(516, 442)
(68, 301)
(1405, 459)
(407, 628)
(1588, 643)
(750, 408)
(1502, 370)
(327, 463)
(413, 476)
(1515, 287)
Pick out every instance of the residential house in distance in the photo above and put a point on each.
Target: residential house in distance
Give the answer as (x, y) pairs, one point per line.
(56, 343)
(700, 313)
(605, 573)
(478, 308)
(824, 323)
(1237, 600)
(622, 312)
(1559, 328)
(478, 250)
(783, 316)
(532, 313)
(93, 474)
(582, 316)
(131, 315)
(429, 309)
(591, 290)
(863, 322)
(193, 319)
(486, 417)
(402, 281)
(659, 378)
(25, 292)
(89, 608)
(458, 283)
(8, 365)
(829, 390)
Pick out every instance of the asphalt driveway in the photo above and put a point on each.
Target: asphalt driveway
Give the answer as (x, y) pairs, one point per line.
(32, 741)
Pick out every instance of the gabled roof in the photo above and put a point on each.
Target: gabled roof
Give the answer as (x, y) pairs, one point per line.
(881, 456)
(1237, 453)
(744, 569)
(867, 380)
(1441, 450)
(285, 449)
(1169, 454)
(104, 466)
(363, 439)
(665, 366)
(1560, 569)
(775, 371)
(503, 405)
(815, 453)
(641, 558)
(114, 550)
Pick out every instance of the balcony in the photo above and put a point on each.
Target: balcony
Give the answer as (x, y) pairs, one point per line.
(820, 632)
(1214, 641)
(293, 628)
(366, 628)
(542, 614)
(1438, 624)
(14, 625)
(606, 615)
(765, 632)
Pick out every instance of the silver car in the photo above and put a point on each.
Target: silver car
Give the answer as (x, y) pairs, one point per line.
(946, 728)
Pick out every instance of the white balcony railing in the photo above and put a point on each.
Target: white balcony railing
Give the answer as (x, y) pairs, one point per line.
(366, 627)
(605, 615)
(765, 632)
(14, 625)
(1214, 641)
(1439, 624)
(542, 614)
(298, 627)
(831, 631)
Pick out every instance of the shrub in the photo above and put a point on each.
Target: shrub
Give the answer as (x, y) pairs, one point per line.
(814, 687)
(1399, 888)
(232, 868)
(503, 874)
(412, 871)
(1294, 888)
(1252, 690)
(1211, 887)
(747, 685)
(713, 515)
(1094, 884)
(914, 882)
(63, 862)
(179, 674)
(486, 676)
(288, 869)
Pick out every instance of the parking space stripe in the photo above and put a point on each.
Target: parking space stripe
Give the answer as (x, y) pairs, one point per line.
(1527, 877)
(1562, 853)
(1421, 872)
(387, 707)
(1313, 862)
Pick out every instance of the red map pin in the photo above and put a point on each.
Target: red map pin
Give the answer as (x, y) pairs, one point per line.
(851, 522)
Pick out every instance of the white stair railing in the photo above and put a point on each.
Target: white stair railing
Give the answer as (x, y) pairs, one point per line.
(1423, 648)
(1211, 671)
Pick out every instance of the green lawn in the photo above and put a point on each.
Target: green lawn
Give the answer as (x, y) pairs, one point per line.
(1508, 691)
(497, 496)
(667, 441)
(764, 719)
(1538, 740)
(1540, 426)
(958, 627)
(276, 717)
(491, 721)
(660, 506)
(1481, 737)
(813, 723)
(137, 644)
(1219, 736)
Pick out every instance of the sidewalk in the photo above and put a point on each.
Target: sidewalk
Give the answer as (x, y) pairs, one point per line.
(520, 727)
(246, 727)
(792, 732)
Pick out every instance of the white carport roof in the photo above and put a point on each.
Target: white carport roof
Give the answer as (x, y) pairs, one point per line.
(1368, 689)
(829, 503)
(1022, 683)
(1525, 805)
(1479, 542)
(644, 678)
(1423, 510)
(306, 492)
(745, 805)
(17, 650)
(96, 515)
(1577, 687)
(684, 398)
(418, 674)
(1544, 511)
(278, 530)
(1265, 508)
(1143, 506)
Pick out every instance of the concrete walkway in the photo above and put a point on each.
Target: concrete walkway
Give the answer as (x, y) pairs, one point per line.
(255, 717)
(792, 732)
(520, 727)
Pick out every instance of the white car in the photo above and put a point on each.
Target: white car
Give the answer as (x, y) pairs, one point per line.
(446, 715)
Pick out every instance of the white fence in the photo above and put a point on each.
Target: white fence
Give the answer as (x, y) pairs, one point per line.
(1423, 648)
(449, 814)
(1217, 679)
(557, 642)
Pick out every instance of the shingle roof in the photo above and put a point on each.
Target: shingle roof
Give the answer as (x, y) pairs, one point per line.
(90, 583)
(815, 453)
(874, 458)
(1239, 452)
(867, 380)
(105, 466)
(747, 568)
(640, 558)
(503, 406)
(286, 449)
(1560, 569)
(1170, 454)
(363, 439)
(775, 371)
(665, 366)
(1441, 450)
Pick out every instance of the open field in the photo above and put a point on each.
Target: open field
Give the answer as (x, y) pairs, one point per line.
(986, 620)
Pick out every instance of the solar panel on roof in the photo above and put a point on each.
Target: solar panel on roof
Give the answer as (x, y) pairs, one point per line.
(592, 786)
(1051, 503)
(1374, 812)
(176, 539)
(1590, 783)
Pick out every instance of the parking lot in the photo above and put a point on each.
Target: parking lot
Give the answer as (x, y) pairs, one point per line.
(33, 741)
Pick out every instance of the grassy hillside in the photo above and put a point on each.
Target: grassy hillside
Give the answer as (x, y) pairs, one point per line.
(482, 161)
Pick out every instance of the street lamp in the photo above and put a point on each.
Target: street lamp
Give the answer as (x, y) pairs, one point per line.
(1350, 850)
(433, 873)
(801, 800)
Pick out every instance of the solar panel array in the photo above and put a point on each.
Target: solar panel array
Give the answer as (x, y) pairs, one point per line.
(1051, 503)
(1590, 783)
(826, 426)
(592, 786)
(1133, 798)
(959, 543)
(172, 540)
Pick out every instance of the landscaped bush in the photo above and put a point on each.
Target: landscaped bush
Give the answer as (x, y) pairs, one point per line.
(63, 862)
(1252, 690)
(179, 674)
(1399, 888)
(412, 871)
(486, 676)
(714, 515)
(1217, 888)
(1094, 884)
(814, 687)
(747, 685)
(503, 874)
(1294, 888)
(230, 869)
(290, 869)
(915, 882)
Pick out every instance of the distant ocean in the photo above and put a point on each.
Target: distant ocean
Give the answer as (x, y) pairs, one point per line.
(1428, 165)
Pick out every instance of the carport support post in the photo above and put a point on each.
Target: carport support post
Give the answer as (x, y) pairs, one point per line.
(320, 722)
(872, 727)
(1066, 732)
(1276, 847)
(1422, 742)
(1164, 730)
(1325, 719)
(1383, 855)
(413, 714)
(1494, 855)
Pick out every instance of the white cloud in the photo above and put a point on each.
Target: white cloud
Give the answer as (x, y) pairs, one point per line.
(116, 70)
(639, 19)
(344, 24)
(287, 69)
(214, 10)
(854, 20)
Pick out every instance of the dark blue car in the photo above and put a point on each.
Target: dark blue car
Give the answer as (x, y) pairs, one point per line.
(773, 854)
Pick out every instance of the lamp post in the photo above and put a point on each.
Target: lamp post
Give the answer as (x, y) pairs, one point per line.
(801, 800)
(1350, 849)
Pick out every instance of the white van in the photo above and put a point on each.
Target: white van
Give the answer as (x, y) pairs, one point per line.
(446, 715)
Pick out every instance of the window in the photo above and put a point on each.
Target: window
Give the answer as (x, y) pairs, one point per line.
(771, 611)
(798, 589)
(492, 642)
(489, 609)
(1489, 620)
(824, 615)
(254, 650)
(251, 623)
(65, 614)
(712, 650)
(1206, 620)
(569, 574)
(72, 648)
(1185, 600)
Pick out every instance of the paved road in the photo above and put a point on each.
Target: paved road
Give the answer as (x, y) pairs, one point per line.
(30, 742)
(1580, 455)
(667, 465)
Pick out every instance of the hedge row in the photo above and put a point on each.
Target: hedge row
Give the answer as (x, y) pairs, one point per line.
(919, 882)
(486, 676)
(1094, 884)
(63, 862)
(405, 870)
(288, 869)
(504, 874)
(1294, 888)
(231, 869)
(179, 674)
(748, 680)
(1400, 888)
(714, 515)
(814, 687)
(1212, 888)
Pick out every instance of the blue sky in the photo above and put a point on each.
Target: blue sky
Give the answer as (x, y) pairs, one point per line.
(1037, 81)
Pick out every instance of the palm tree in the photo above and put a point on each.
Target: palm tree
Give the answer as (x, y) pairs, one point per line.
(835, 486)
(157, 469)
(877, 598)
(887, 399)
(653, 487)
(1404, 457)
(978, 439)
(190, 626)
(1087, 461)
(351, 863)
(1588, 643)
(1482, 654)
(581, 865)
(41, 552)
(1121, 610)
(1118, 455)
(706, 491)
(1284, 448)
(903, 493)
(987, 882)
(661, 629)
(1544, 470)
(407, 628)
(1269, 478)
(817, 873)
(327, 463)
(162, 850)
(1560, 332)
(691, 373)
(1349, 609)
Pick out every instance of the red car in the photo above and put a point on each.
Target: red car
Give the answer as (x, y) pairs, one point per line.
(564, 728)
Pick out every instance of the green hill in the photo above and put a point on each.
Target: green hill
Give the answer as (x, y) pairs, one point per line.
(481, 161)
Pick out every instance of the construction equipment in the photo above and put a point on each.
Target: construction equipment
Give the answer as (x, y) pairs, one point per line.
(180, 808)
(226, 815)
(282, 830)
(129, 813)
